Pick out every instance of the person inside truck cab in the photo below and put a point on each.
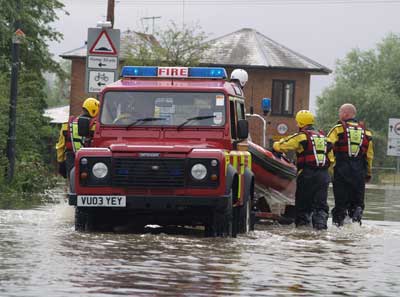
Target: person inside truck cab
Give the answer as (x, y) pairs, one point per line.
(209, 107)
(132, 110)
(69, 140)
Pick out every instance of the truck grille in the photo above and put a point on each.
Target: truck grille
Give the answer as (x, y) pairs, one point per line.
(148, 173)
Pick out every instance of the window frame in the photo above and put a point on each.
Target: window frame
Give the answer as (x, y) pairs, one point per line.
(291, 103)
(234, 114)
(104, 99)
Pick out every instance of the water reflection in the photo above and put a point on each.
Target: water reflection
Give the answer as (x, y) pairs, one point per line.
(41, 255)
(381, 204)
(147, 264)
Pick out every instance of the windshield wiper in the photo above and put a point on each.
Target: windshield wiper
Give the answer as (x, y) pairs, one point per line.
(149, 119)
(195, 118)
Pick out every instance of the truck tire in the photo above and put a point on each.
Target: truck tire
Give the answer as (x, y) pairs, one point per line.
(221, 222)
(83, 219)
(245, 216)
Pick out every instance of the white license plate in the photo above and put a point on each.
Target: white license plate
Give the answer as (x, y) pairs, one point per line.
(101, 201)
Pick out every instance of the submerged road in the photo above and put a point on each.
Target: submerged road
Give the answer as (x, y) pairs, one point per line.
(42, 255)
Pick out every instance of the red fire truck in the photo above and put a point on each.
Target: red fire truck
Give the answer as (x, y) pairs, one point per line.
(169, 148)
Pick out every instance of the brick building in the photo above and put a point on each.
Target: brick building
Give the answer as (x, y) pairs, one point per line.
(78, 65)
(275, 72)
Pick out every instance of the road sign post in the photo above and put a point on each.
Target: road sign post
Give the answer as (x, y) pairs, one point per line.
(102, 58)
(393, 148)
(98, 79)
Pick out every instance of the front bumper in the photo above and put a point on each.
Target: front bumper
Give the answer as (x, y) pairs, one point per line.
(167, 202)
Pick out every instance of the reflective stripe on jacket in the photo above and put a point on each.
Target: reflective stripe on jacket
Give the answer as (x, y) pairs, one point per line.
(75, 138)
(351, 140)
(65, 142)
(315, 150)
(298, 142)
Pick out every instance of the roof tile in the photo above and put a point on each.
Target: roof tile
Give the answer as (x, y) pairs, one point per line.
(250, 48)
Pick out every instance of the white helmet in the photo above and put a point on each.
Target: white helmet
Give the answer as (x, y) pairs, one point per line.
(240, 75)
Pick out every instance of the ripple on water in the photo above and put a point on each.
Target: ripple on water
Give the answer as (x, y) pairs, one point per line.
(41, 254)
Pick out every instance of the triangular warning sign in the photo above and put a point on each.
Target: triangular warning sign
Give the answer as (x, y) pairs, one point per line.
(103, 45)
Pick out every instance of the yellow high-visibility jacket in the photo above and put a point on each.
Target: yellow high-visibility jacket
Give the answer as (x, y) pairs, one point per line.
(336, 132)
(297, 143)
(61, 146)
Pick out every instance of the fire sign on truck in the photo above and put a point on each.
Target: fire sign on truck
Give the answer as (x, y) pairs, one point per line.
(167, 150)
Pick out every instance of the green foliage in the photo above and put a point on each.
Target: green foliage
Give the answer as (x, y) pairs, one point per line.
(369, 80)
(31, 178)
(34, 138)
(174, 47)
(33, 158)
(35, 17)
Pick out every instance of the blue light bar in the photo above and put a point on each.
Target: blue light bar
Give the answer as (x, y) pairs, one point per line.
(207, 72)
(139, 71)
(173, 72)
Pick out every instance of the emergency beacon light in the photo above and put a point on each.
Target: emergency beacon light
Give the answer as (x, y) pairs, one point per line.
(266, 105)
(173, 72)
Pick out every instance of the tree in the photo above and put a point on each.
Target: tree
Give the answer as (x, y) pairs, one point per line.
(173, 47)
(32, 128)
(35, 17)
(369, 80)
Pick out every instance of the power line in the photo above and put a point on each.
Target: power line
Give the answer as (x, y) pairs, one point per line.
(256, 2)
(153, 18)
(133, 2)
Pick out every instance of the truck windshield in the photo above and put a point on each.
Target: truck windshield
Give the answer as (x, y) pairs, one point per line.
(122, 108)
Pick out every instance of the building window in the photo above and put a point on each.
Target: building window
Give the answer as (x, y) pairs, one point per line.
(282, 97)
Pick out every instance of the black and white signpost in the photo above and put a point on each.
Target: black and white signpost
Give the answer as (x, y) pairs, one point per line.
(393, 148)
(102, 57)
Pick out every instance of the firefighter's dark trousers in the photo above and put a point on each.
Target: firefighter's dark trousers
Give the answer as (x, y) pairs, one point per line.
(311, 197)
(348, 189)
(69, 162)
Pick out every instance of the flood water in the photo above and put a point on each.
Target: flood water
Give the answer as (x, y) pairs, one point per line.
(42, 255)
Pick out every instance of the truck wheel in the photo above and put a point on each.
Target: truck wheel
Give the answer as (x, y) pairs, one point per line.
(221, 222)
(83, 219)
(245, 216)
(253, 219)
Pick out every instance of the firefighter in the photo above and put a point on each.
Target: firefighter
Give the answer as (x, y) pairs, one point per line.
(134, 110)
(69, 140)
(353, 149)
(240, 76)
(314, 155)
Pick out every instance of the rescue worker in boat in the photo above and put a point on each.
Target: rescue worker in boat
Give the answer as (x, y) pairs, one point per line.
(69, 140)
(314, 155)
(353, 149)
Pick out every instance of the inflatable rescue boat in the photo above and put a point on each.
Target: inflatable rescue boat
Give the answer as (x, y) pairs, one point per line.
(270, 170)
(275, 183)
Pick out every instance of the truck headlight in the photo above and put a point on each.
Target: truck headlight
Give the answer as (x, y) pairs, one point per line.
(198, 171)
(100, 170)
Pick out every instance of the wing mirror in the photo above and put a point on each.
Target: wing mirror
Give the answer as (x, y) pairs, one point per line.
(84, 126)
(243, 129)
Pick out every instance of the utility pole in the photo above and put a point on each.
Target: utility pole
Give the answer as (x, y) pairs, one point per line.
(183, 14)
(11, 139)
(110, 12)
(152, 18)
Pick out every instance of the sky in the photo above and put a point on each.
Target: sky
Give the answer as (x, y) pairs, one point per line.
(323, 30)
